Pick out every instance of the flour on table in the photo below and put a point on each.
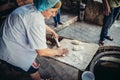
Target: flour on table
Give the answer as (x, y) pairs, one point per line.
(77, 47)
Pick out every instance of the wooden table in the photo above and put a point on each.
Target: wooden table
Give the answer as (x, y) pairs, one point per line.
(78, 59)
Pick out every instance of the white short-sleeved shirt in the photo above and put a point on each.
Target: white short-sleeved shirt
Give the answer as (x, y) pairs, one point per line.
(23, 32)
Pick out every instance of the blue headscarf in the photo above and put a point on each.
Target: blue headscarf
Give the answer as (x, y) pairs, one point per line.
(45, 4)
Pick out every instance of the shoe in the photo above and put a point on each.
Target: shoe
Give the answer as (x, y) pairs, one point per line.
(60, 23)
(56, 25)
(101, 43)
(109, 38)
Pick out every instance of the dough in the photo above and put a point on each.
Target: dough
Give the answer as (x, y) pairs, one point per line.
(77, 48)
(75, 42)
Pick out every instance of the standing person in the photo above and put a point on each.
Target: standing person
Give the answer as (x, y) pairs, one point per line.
(112, 9)
(57, 19)
(23, 36)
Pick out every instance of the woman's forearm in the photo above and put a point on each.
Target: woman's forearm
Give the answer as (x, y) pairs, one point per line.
(51, 52)
(48, 29)
(46, 52)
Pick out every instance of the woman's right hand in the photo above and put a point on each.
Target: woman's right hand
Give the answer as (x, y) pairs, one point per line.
(52, 52)
(61, 51)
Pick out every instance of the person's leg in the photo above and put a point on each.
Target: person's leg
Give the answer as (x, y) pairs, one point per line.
(107, 22)
(33, 71)
(36, 76)
(116, 13)
(55, 20)
(58, 16)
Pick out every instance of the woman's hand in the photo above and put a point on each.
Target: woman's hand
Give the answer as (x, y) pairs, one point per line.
(52, 52)
(107, 9)
(55, 35)
(61, 52)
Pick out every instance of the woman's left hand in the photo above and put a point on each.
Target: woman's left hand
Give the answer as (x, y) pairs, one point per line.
(55, 35)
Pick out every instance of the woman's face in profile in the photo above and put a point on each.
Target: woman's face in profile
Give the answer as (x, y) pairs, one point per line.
(50, 13)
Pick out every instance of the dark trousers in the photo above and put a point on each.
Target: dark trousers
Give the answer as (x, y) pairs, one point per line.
(108, 21)
(57, 17)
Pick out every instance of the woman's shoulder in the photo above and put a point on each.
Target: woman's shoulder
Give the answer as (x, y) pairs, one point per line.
(26, 9)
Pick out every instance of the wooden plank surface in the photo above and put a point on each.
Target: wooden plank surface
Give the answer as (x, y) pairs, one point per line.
(78, 59)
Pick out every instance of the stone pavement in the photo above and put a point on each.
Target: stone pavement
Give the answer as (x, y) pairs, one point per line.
(90, 33)
(82, 31)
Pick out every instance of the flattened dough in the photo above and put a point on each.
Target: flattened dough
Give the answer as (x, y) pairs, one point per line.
(75, 42)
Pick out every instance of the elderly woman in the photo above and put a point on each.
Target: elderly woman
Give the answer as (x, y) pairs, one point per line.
(23, 36)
